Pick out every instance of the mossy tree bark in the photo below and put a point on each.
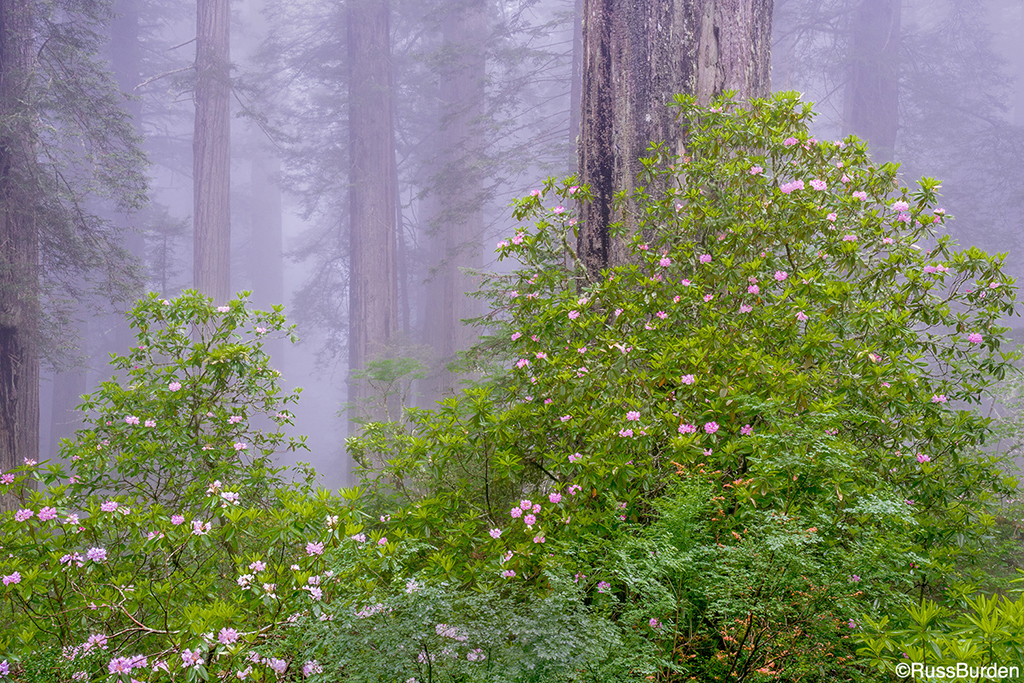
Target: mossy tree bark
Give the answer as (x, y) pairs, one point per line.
(636, 57)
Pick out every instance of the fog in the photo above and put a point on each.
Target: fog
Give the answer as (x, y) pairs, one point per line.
(481, 111)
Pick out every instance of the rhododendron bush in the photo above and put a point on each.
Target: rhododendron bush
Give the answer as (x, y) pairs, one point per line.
(169, 547)
(792, 356)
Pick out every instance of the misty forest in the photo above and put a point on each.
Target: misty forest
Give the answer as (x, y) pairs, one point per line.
(422, 341)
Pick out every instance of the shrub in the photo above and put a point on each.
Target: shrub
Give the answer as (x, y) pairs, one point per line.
(792, 332)
(175, 545)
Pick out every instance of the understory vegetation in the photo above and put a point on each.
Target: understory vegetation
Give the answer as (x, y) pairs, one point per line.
(756, 452)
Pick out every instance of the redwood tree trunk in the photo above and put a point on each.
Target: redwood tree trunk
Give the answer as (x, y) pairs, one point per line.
(871, 106)
(458, 220)
(636, 57)
(373, 298)
(211, 151)
(19, 245)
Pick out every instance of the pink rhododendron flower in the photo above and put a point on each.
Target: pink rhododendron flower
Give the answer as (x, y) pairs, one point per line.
(939, 398)
(47, 513)
(753, 289)
(227, 636)
(705, 258)
(7, 478)
(109, 506)
(746, 430)
(603, 587)
(790, 141)
(509, 573)
(12, 578)
(922, 458)
(900, 206)
(819, 185)
(745, 308)
(96, 554)
(756, 170)
(575, 457)
(241, 446)
(849, 238)
(861, 195)
(495, 533)
(781, 275)
(832, 217)
(711, 427)
(574, 489)
(383, 541)
(801, 316)
(177, 519)
(626, 433)
(555, 498)
(559, 209)
(314, 548)
(654, 623)
(633, 415)
(687, 428)
(539, 538)
(573, 315)
(565, 418)
(174, 386)
(132, 420)
(665, 262)
(973, 337)
(22, 515)
(708, 297)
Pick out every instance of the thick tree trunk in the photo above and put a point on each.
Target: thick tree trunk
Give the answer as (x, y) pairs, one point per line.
(211, 151)
(373, 299)
(19, 245)
(636, 57)
(871, 98)
(458, 222)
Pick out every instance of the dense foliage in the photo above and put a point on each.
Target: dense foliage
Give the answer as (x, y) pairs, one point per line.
(718, 462)
(776, 393)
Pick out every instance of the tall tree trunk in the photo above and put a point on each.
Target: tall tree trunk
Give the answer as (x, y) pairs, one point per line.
(458, 223)
(373, 298)
(211, 151)
(871, 97)
(576, 85)
(19, 245)
(636, 57)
